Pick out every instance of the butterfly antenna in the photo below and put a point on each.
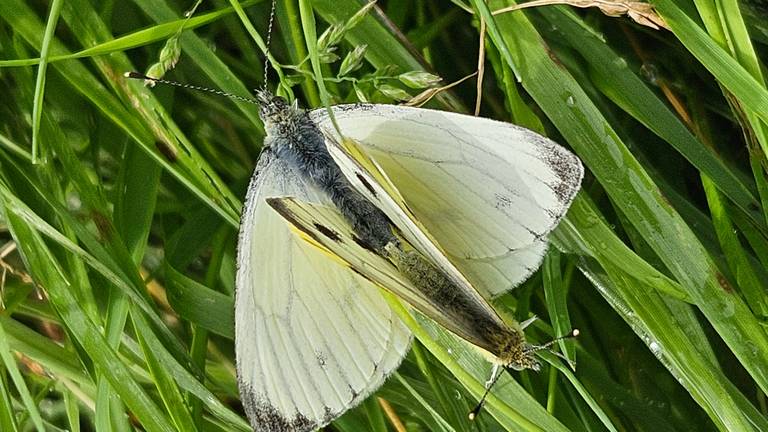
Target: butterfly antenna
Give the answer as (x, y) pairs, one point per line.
(572, 334)
(269, 42)
(474, 413)
(138, 75)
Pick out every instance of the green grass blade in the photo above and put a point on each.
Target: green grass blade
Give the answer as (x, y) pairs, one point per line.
(725, 68)
(46, 270)
(37, 107)
(18, 380)
(626, 89)
(632, 191)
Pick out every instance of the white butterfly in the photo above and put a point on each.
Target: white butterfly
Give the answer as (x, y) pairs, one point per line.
(315, 337)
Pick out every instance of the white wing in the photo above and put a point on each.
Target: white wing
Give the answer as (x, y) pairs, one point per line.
(312, 338)
(490, 192)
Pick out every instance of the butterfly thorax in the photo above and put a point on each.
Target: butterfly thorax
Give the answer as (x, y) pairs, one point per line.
(295, 137)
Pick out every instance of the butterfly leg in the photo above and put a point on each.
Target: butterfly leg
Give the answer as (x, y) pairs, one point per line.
(494, 372)
(528, 322)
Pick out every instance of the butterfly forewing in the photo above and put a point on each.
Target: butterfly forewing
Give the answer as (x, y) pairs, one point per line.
(312, 338)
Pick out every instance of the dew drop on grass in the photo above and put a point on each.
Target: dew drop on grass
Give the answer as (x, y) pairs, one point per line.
(650, 72)
(655, 348)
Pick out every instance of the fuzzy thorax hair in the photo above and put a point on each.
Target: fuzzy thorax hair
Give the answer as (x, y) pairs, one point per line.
(294, 136)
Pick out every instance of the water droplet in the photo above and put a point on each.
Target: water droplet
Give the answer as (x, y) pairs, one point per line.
(570, 100)
(619, 62)
(752, 348)
(650, 72)
(655, 348)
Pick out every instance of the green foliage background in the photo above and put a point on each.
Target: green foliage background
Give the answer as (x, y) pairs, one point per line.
(120, 207)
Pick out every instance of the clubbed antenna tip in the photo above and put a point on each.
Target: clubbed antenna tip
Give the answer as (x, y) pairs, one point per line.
(473, 414)
(136, 75)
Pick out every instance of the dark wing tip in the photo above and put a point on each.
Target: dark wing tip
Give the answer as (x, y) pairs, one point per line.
(568, 169)
(264, 417)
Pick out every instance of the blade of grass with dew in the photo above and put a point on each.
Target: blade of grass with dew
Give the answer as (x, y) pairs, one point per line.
(631, 190)
(627, 90)
(665, 325)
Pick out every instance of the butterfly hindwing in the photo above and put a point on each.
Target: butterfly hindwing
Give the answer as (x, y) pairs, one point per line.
(313, 338)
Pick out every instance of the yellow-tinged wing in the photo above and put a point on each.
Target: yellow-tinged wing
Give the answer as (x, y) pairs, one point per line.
(404, 273)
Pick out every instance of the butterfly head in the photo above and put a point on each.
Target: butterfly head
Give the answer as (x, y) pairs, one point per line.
(275, 110)
(517, 355)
